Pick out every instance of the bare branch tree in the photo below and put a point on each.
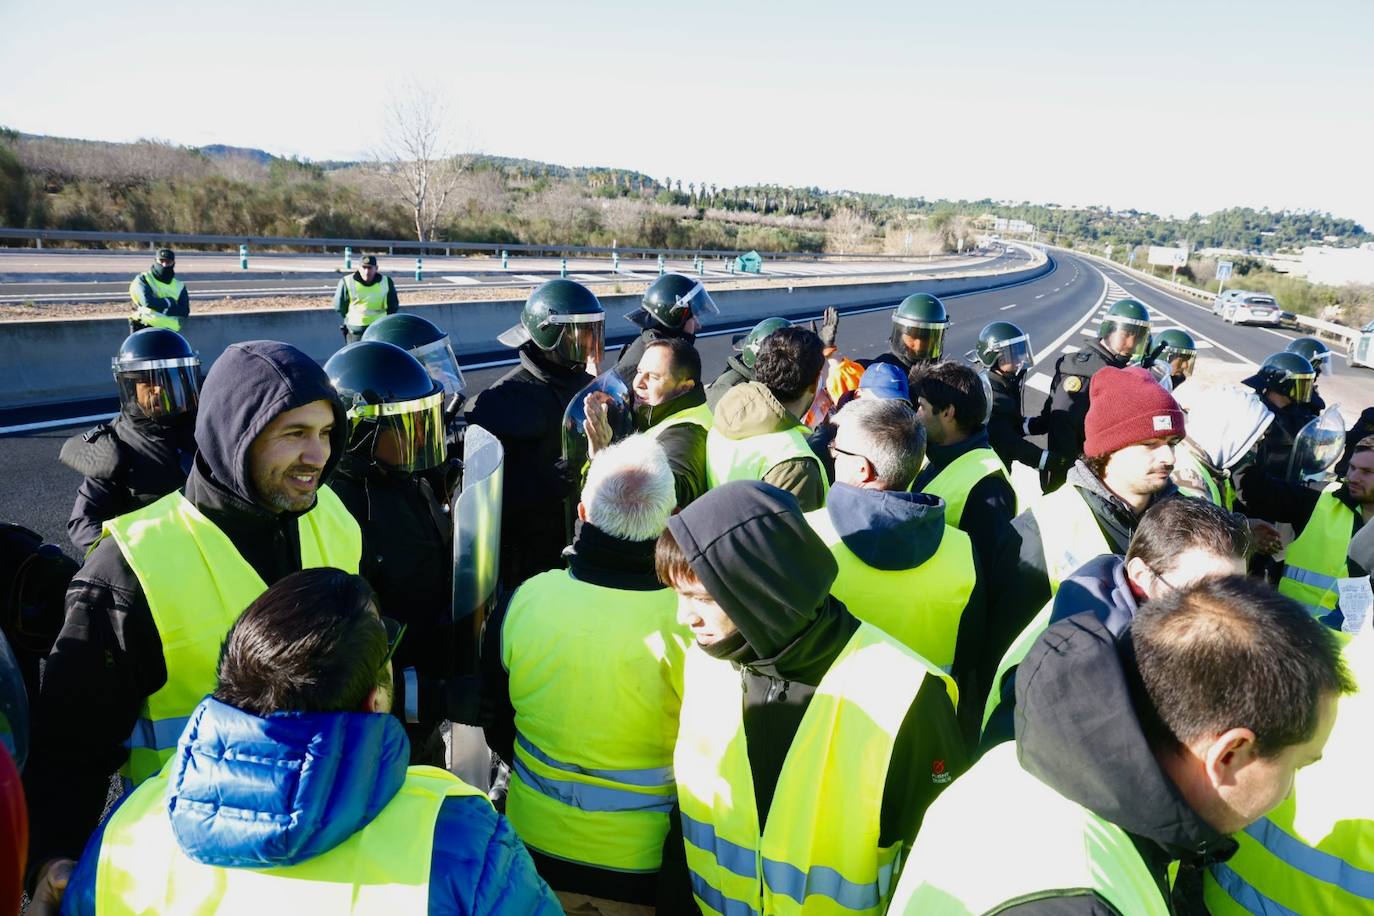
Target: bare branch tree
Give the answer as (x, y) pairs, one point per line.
(418, 155)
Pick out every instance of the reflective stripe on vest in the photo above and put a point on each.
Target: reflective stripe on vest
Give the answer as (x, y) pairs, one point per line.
(1314, 853)
(1041, 846)
(593, 789)
(919, 607)
(819, 851)
(146, 314)
(1069, 532)
(701, 415)
(1316, 559)
(366, 303)
(960, 476)
(197, 584)
(752, 458)
(383, 868)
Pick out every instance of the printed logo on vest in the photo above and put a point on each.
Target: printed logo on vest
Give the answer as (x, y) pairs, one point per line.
(1164, 422)
(938, 775)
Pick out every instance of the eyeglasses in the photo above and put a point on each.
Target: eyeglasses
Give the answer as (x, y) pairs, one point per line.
(394, 632)
(836, 450)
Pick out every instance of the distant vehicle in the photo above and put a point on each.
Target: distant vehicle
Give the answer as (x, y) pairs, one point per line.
(1288, 320)
(1361, 352)
(1252, 308)
(1219, 304)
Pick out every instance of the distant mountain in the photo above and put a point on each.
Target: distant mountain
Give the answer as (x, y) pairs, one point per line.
(220, 151)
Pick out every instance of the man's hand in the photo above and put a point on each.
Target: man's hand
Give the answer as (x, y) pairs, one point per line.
(829, 328)
(598, 425)
(51, 885)
(1264, 536)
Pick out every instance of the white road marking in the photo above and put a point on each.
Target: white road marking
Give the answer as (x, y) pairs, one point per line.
(1040, 382)
(1005, 307)
(1041, 296)
(463, 281)
(1070, 348)
(54, 424)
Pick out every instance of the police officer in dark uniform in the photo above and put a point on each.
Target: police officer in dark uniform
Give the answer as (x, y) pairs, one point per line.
(145, 452)
(560, 335)
(1285, 382)
(1123, 336)
(1005, 350)
(672, 307)
(1177, 356)
(396, 431)
(1319, 355)
(430, 344)
(740, 369)
(918, 332)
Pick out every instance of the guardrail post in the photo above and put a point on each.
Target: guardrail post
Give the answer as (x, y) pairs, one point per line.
(563, 268)
(243, 257)
(419, 268)
(615, 261)
(348, 258)
(660, 265)
(505, 259)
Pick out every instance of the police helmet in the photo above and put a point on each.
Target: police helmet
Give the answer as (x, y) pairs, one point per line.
(748, 344)
(1004, 347)
(1314, 351)
(564, 319)
(1287, 373)
(918, 329)
(1126, 328)
(395, 408)
(427, 342)
(158, 375)
(1178, 350)
(671, 300)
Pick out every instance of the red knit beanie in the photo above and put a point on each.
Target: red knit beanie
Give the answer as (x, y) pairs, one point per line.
(1127, 407)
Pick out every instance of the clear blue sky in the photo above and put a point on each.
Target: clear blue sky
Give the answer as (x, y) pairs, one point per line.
(1168, 106)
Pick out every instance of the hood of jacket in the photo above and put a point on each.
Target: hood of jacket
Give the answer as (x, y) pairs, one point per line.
(753, 550)
(280, 378)
(253, 792)
(750, 409)
(1078, 730)
(1098, 586)
(887, 529)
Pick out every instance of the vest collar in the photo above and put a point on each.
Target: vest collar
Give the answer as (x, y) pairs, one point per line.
(940, 457)
(650, 417)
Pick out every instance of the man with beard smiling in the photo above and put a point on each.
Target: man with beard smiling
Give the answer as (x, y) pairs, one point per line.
(147, 612)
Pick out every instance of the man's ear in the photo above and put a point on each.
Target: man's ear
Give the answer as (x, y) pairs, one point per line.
(870, 473)
(1227, 754)
(375, 701)
(582, 510)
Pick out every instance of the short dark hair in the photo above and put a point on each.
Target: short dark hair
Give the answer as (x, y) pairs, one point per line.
(670, 562)
(790, 362)
(1231, 652)
(1097, 464)
(311, 643)
(685, 359)
(949, 383)
(1178, 524)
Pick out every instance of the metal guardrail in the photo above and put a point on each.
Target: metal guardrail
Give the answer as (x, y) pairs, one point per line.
(154, 238)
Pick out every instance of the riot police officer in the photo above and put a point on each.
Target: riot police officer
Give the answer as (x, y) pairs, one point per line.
(672, 307)
(918, 331)
(560, 335)
(145, 452)
(1319, 355)
(1122, 336)
(1005, 350)
(430, 344)
(396, 430)
(1285, 382)
(1177, 355)
(740, 368)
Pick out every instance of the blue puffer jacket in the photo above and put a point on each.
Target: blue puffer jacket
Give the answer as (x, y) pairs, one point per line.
(350, 766)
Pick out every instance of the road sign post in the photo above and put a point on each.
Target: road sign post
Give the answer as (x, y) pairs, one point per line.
(243, 257)
(1223, 274)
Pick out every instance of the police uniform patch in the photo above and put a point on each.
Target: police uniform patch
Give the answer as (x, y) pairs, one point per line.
(1073, 384)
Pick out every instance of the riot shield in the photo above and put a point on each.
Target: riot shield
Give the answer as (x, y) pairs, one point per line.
(476, 543)
(1317, 448)
(610, 404)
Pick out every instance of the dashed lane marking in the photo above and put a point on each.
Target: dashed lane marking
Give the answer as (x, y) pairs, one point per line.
(1005, 307)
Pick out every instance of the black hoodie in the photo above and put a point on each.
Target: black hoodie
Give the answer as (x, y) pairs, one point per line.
(757, 556)
(1078, 730)
(108, 657)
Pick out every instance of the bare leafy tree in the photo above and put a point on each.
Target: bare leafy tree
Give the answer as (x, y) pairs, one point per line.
(419, 155)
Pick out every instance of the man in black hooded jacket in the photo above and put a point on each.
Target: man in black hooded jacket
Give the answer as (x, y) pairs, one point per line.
(753, 584)
(259, 470)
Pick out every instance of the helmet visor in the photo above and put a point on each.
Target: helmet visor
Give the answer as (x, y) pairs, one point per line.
(698, 301)
(1126, 336)
(441, 363)
(916, 342)
(410, 434)
(582, 337)
(1014, 356)
(1181, 362)
(1317, 448)
(1323, 363)
(1301, 386)
(161, 392)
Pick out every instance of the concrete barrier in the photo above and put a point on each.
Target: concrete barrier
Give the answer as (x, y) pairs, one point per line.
(55, 361)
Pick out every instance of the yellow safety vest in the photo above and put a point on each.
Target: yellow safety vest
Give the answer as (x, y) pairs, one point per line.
(960, 476)
(382, 869)
(819, 852)
(1317, 558)
(701, 415)
(146, 314)
(366, 303)
(596, 683)
(1019, 649)
(1038, 845)
(1314, 853)
(919, 607)
(1223, 495)
(1069, 532)
(197, 585)
(750, 459)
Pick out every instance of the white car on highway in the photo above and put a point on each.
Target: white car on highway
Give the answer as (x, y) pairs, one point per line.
(1220, 302)
(1361, 352)
(1252, 308)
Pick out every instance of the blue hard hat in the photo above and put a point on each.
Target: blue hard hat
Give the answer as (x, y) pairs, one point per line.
(884, 380)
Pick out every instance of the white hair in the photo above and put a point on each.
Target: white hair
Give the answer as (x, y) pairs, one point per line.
(630, 490)
(889, 435)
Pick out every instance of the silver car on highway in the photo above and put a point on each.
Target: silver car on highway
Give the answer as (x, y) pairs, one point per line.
(1252, 308)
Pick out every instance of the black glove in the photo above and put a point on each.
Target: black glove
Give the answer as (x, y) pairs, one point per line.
(1055, 471)
(829, 327)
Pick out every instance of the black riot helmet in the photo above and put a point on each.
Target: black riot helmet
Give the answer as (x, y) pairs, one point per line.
(1287, 373)
(918, 329)
(395, 409)
(1314, 351)
(428, 343)
(1178, 350)
(671, 301)
(1125, 329)
(1005, 348)
(749, 344)
(158, 375)
(564, 319)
